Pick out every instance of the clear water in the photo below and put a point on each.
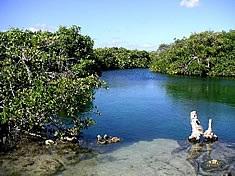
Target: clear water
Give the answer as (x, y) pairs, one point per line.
(141, 105)
(150, 112)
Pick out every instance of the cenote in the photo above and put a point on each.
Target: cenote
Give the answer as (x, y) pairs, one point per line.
(140, 105)
(151, 114)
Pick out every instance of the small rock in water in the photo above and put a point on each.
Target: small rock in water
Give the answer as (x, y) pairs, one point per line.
(49, 142)
(70, 139)
(107, 139)
(212, 158)
(4, 140)
(213, 165)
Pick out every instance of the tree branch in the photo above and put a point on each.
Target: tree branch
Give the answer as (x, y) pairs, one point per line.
(13, 94)
(27, 68)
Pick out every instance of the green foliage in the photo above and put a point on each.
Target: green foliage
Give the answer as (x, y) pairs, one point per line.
(44, 75)
(202, 54)
(121, 58)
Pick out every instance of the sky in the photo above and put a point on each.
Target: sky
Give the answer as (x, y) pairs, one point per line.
(133, 24)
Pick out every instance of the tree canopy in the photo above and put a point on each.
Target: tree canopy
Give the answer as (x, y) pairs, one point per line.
(203, 54)
(44, 76)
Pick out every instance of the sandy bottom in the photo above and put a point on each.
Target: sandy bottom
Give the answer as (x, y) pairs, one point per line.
(157, 157)
(144, 158)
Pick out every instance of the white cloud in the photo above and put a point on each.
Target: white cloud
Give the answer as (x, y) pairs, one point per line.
(118, 42)
(189, 3)
(33, 29)
(42, 27)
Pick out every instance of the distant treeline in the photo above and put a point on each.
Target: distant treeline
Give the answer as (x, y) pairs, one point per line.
(202, 54)
(121, 58)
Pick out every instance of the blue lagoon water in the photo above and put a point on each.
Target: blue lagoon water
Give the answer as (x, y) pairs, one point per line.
(140, 105)
(151, 114)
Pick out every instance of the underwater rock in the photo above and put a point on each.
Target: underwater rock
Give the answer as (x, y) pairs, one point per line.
(149, 158)
(212, 158)
(34, 158)
(213, 165)
(70, 139)
(100, 140)
(107, 139)
(49, 142)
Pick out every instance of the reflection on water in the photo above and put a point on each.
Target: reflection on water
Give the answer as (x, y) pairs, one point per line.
(202, 89)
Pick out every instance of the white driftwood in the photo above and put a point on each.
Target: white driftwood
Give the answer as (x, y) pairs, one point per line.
(208, 134)
(197, 129)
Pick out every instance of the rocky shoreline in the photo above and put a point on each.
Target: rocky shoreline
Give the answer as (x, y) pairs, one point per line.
(36, 158)
(157, 157)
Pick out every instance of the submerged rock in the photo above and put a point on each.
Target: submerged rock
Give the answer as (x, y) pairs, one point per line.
(212, 159)
(142, 158)
(213, 165)
(49, 142)
(35, 158)
(107, 139)
(157, 157)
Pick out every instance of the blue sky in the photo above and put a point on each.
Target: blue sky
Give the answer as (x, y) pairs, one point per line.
(141, 24)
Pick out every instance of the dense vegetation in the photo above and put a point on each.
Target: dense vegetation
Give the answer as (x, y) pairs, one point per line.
(202, 54)
(46, 77)
(121, 58)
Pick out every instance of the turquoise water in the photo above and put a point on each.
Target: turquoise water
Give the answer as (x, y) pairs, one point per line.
(141, 105)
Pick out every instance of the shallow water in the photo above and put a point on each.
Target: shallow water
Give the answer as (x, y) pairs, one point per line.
(158, 157)
(150, 112)
(142, 158)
